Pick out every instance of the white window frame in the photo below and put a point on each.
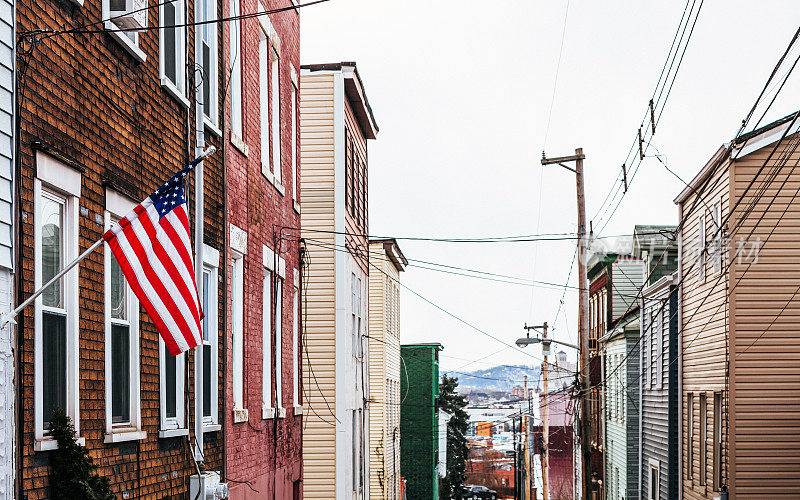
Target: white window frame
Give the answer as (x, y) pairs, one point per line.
(279, 295)
(117, 206)
(717, 240)
(295, 135)
(211, 262)
(211, 76)
(55, 179)
(296, 402)
(237, 335)
(128, 39)
(178, 88)
(701, 237)
(659, 339)
(235, 56)
(275, 111)
(654, 466)
(171, 426)
(269, 50)
(267, 408)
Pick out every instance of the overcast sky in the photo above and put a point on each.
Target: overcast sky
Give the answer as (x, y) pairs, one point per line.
(461, 91)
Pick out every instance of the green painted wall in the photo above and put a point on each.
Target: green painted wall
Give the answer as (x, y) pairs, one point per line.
(419, 420)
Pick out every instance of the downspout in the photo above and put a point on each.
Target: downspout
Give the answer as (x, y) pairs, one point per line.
(641, 385)
(224, 266)
(680, 355)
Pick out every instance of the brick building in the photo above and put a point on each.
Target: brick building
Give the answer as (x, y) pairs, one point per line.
(106, 117)
(263, 404)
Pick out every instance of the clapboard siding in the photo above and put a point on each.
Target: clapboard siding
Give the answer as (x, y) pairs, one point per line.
(622, 417)
(659, 402)
(319, 362)
(7, 104)
(765, 345)
(704, 320)
(626, 280)
(384, 374)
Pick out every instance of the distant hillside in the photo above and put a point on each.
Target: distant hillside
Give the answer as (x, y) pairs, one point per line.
(498, 378)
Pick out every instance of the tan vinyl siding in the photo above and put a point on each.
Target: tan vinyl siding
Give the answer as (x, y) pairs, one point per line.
(354, 227)
(384, 353)
(317, 186)
(704, 318)
(765, 358)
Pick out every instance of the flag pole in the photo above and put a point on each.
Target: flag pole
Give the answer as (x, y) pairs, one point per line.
(9, 317)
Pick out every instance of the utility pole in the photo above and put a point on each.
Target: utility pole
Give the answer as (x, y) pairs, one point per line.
(583, 316)
(516, 461)
(527, 447)
(545, 420)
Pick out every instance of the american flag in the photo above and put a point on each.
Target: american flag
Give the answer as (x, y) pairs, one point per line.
(152, 246)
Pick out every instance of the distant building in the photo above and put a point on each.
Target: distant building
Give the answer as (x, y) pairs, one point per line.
(657, 247)
(614, 282)
(483, 429)
(444, 419)
(560, 417)
(620, 347)
(517, 392)
(387, 261)
(419, 419)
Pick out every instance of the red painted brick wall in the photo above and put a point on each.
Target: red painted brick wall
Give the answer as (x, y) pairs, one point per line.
(265, 452)
(86, 97)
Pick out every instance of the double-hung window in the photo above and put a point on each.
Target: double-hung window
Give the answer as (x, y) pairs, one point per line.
(296, 343)
(267, 410)
(208, 57)
(357, 314)
(237, 334)
(717, 439)
(210, 326)
(279, 345)
(235, 56)
(295, 114)
(701, 247)
(56, 193)
(269, 96)
(690, 437)
(119, 29)
(717, 238)
(703, 437)
(274, 274)
(275, 112)
(172, 65)
(171, 387)
(122, 360)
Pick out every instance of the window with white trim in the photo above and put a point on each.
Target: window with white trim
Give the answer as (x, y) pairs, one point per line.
(275, 112)
(207, 55)
(236, 69)
(119, 25)
(266, 347)
(701, 246)
(356, 315)
(237, 323)
(263, 105)
(210, 326)
(171, 371)
(269, 96)
(654, 482)
(122, 361)
(56, 310)
(172, 64)
(296, 340)
(278, 341)
(717, 237)
(295, 113)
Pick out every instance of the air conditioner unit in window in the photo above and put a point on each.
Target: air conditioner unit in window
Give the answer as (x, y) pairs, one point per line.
(129, 14)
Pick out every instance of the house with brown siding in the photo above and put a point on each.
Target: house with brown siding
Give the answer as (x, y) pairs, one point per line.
(740, 363)
(106, 119)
